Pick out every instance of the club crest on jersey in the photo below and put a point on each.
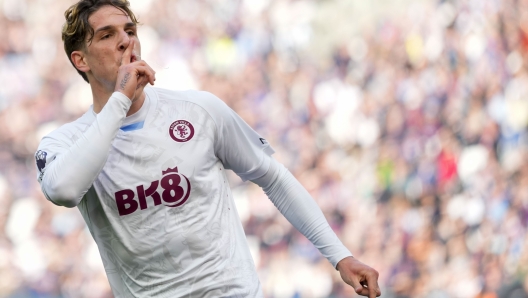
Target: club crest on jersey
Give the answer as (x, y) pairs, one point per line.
(173, 190)
(181, 131)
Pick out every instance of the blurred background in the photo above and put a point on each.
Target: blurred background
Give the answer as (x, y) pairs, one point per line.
(406, 120)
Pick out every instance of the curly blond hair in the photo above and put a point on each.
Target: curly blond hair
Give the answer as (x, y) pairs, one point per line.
(77, 32)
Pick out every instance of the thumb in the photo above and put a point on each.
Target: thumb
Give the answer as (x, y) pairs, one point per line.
(354, 282)
(358, 290)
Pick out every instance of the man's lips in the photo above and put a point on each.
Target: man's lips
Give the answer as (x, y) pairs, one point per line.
(133, 58)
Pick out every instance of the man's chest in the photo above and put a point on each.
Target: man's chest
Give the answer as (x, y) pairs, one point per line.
(152, 167)
(164, 142)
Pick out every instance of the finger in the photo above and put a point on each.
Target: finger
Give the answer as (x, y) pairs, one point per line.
(144, 71)
(127, 54)
(372, 285)
(153, 77)
(364, 292)
(142, 82)
(152, 74)
(354, 282)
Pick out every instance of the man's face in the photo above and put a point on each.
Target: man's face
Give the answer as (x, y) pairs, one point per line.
(113, 31)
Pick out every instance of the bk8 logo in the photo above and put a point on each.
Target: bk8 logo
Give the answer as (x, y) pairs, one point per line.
(175, 190)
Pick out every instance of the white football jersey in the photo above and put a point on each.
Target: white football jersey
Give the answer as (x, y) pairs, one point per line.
(161, 210)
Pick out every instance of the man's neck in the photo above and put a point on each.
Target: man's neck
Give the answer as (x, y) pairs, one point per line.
(100, 98)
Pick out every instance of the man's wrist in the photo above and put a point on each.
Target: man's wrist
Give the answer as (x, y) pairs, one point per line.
(122, 96)
(344, 261)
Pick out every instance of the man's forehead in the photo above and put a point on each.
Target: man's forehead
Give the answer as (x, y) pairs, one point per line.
(108, 15)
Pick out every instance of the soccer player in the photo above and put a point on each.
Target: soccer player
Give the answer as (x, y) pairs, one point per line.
(147, 169)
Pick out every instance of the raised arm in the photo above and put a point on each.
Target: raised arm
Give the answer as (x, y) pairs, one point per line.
(68, 169)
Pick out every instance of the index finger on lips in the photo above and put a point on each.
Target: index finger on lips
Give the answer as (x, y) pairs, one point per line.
(127, 54)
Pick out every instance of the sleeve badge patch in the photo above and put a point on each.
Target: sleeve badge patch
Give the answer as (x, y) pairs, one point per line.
(40, 157)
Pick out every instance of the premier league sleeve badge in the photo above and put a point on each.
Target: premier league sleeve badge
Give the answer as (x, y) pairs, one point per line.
(40, 158)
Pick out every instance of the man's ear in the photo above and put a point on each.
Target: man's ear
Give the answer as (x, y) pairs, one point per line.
(79, 61)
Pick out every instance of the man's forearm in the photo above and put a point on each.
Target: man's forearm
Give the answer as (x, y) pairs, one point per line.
(71, 174)
(296, 204)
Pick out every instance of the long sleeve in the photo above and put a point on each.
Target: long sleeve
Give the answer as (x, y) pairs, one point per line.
(244, 151)
(296, 204)
(68, 169)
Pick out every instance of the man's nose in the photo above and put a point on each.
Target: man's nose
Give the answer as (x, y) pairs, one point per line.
(125, 41)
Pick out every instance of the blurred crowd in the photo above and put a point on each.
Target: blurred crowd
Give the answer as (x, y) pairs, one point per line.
(407, 124)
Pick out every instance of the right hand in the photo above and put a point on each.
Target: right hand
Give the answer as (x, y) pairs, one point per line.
(132, 77)
(360, 276)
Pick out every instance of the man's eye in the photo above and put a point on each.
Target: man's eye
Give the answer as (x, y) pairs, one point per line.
(131, 33)
(105, 36)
